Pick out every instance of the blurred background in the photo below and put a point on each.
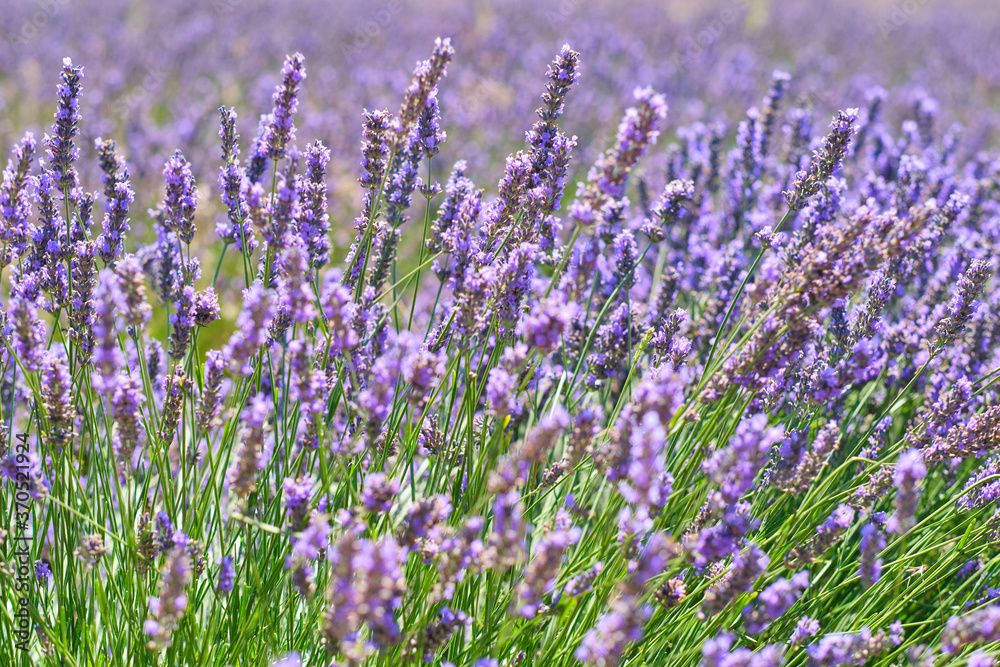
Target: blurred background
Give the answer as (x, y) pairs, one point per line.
(156, 72)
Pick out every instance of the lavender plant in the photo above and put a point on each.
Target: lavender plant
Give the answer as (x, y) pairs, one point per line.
(751, 421)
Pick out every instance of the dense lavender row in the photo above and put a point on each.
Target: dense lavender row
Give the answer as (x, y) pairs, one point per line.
(737, 409)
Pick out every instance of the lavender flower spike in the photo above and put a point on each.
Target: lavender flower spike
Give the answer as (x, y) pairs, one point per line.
(233, 184)
(910, 472)
(62, 153)
(281, 131)
(16, 228)
(167, 610)
(825, 161)
(606, 179)
(719, 652)
(227, 575)
(773, 602)
(426, 77)
(982, 625)
(961, 309)
(181, 199)
(252, 324)
(872, 544)
(29, 332)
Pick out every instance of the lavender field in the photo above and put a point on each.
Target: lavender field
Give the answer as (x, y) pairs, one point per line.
(483, 334)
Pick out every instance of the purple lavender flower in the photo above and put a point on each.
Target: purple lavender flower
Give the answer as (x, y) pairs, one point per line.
(297, 493)
(805, 627)
(606, 641)
(182, 322)
(747, 567)
(295, 293)
(872, 544)
(615, 338)
(379, 492)
(827, 534)
(111, 243)
(374, 161)
(981, 659)
(960, 310)
(90, 550)
(801, 464)
(438, 633)
(500, 392)
(626, 255)
(668, 208)
(426, 77)
(63, 154)
(513, 470)
(43, 573)
(722, 539)
(227, 576)
(606, 179)
(281, 130)
(719, 652)
(306, 386)
(735, 466)
(978, 494)
(314, 220)
(284, 212)
(109, 305)
(181, 198)
(982, 625)
(773, 602)
(29, 332)
(423, 370)
(233, 186)
(825, 161)
(250, 456)
(844, 649)
(424, 520)
(125, 407)
(366, 586)
(563, 73)
(16, 227)
(133, 286)
(506, 542)
(646, 482)
(584, 583)
(168, 608)
(307, 546)
(458, 555)
(430, 136)
(251, 328)
(604, 644)
(168, 537)
(907, 478)
(289, 660)
(340, 312)
(57, 397)
(540, 575)
(205, 307)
